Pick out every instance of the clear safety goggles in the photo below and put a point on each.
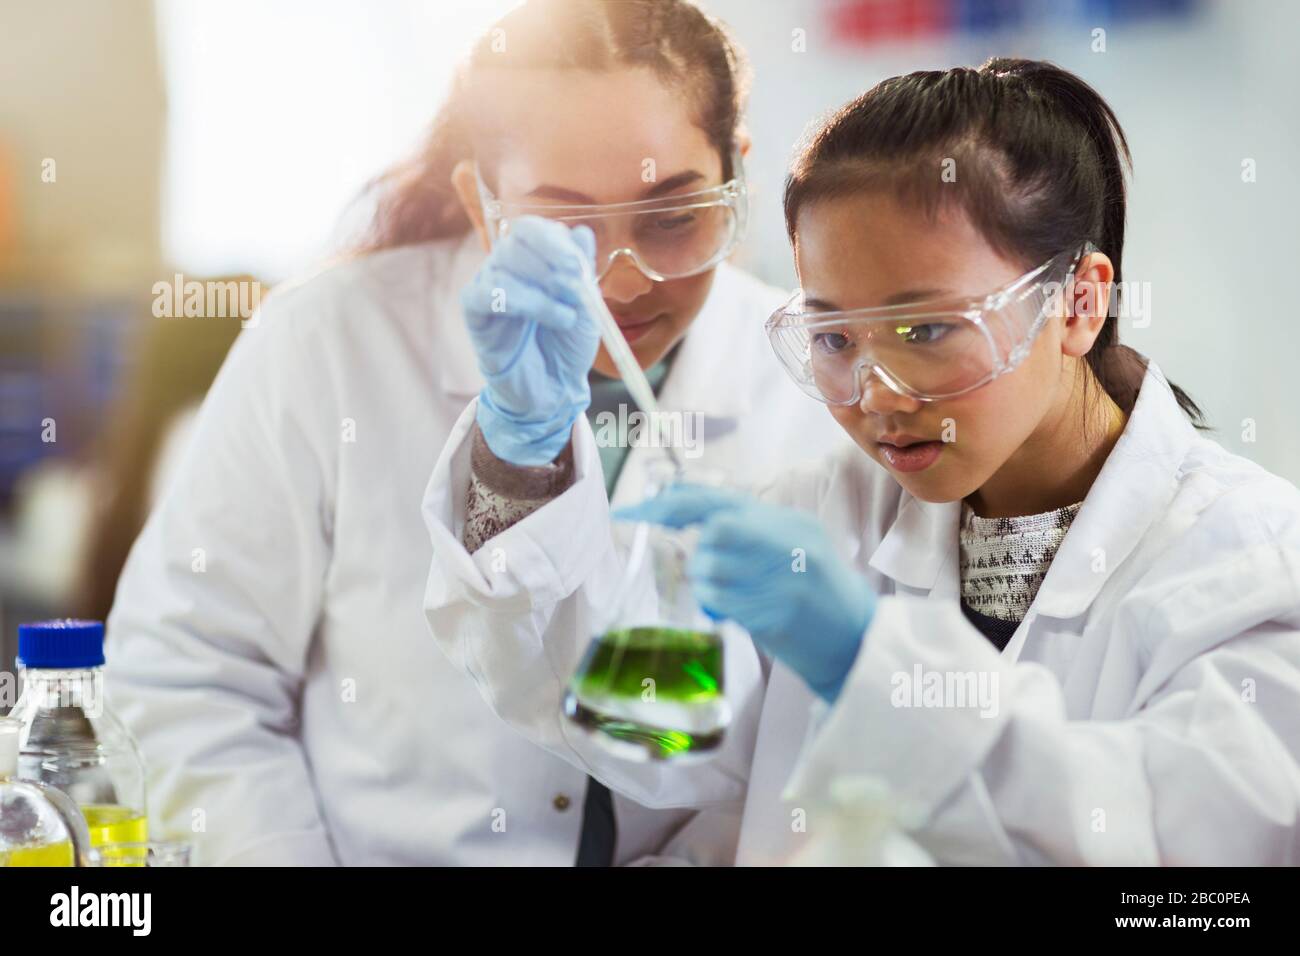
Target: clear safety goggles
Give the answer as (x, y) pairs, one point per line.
(668, 238)
(924, 350)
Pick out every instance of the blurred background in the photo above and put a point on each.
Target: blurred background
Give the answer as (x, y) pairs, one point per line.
(224, 141)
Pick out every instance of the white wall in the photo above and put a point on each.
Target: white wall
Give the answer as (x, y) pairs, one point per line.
(280, 112)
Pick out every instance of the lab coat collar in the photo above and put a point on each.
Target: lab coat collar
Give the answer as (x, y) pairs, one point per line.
(1134, 487)
(712, 373)
(920, 550)
(921, 545)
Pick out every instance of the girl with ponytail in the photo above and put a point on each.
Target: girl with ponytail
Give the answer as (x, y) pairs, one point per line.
(1050, 620)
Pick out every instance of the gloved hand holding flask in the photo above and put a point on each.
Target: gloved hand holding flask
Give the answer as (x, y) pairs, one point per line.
(807, 608)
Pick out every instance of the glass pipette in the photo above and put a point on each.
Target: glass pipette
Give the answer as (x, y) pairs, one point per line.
(628, 367)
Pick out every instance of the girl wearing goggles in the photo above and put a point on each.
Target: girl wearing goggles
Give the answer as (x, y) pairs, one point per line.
(622, 120)
(1035, 599)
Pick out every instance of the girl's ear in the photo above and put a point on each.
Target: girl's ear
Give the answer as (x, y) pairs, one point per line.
(1089, 300)
(465, 183)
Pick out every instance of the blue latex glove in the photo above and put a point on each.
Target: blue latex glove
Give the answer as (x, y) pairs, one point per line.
(535, 343)
(745, 569)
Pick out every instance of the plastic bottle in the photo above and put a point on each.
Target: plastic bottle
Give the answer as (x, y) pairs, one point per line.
(69, 738)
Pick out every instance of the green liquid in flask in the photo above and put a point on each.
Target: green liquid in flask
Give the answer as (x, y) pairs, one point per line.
(651, 692)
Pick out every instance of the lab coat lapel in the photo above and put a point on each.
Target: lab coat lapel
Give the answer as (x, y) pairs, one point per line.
(919, 551)
(1131, 491)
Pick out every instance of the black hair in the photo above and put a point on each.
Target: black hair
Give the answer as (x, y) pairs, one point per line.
(1041, 159)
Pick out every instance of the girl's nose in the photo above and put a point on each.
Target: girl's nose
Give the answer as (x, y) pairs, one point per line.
(879, 399)
(624, 281)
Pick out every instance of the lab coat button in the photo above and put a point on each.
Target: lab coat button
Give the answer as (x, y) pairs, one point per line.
(561, 802)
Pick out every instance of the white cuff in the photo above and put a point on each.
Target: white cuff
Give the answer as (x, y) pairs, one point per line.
(535, 563)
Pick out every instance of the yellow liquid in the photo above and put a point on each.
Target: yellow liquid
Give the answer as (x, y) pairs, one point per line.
(113, 824)
(50, 854)
(107, 825)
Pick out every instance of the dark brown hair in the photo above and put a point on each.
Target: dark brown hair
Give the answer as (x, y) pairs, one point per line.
(1040, 159)
(415, 200)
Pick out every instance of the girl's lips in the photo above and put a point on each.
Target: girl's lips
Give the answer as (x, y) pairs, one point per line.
(916, 457)
(635, 330)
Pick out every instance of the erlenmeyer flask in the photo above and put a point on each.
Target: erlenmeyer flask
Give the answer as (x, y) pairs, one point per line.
(651, 685)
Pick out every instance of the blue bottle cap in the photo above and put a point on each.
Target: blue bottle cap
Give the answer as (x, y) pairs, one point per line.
(64, 643)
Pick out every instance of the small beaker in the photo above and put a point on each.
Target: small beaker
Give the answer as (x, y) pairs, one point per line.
(148, 853)
(651, 685)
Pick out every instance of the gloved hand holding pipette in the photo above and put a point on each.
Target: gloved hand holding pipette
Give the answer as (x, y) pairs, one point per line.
(534, 339)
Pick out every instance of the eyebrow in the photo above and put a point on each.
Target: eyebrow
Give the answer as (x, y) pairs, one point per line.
(559, 193)
(898, 298)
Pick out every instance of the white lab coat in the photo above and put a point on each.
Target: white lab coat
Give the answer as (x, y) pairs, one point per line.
(267, 646)
(1147, 709)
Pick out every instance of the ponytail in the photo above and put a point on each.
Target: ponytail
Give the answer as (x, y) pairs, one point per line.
(1118, 369)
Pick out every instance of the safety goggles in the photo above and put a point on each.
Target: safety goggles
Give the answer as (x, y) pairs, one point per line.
(929, 350)
(668, 238)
